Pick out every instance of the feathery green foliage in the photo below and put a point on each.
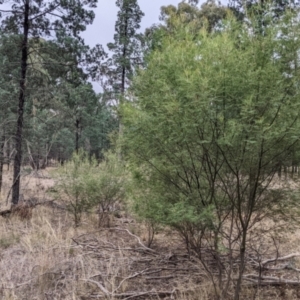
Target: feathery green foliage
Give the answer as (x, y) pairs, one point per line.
(213, 118)
(83, 184)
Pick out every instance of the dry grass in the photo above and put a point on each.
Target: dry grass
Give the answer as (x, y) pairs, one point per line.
(45, 257)
(33, 185)
(37, 247)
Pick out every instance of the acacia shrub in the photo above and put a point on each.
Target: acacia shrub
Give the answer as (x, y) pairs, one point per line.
(205, 134)
(83, 184)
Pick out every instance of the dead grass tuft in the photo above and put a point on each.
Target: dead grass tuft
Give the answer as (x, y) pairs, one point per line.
(23, 211)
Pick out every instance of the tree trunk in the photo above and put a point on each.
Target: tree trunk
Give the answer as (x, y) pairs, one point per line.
(279, 170)
(285, 170)
(19, 131)
(123, 79)
(2, 158)
(241, 266)
(124, 59)
(77, 124)
(7, 153)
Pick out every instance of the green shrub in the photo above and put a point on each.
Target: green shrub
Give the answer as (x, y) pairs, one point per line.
(83, 184)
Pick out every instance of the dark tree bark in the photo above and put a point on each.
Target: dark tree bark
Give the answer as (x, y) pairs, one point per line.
(2, 158)
(124, 54)
(77, 124)
(123, 79)
(19, 131)
(7, 154)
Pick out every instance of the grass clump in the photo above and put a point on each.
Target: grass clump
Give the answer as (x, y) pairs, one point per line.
(7, 241)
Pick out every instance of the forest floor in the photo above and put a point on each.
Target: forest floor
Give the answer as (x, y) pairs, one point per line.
(42, 256)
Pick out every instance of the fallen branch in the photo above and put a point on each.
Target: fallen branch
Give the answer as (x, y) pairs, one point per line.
(26, 204)
(160, 277)
(283, 258)
(132, 295)
(5, 213)
(138, 239)
(129, 295)
(100, 286)
(269, 280)
(129, 277)
(161, 294)
(280, 268)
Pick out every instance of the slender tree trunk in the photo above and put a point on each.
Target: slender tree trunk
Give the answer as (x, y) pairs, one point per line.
(123, 76)
(38, 161)
(124, 59)
(244, 228)
(241, 265)
(8, 153)
(122, 95)
(285, 170)
(2, 158)
(45, 164)
(19, 131)
(123, 79)
(77, 124)
(279, 170)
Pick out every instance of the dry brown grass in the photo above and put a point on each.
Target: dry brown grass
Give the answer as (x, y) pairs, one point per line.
(45, 257)
(33, 186)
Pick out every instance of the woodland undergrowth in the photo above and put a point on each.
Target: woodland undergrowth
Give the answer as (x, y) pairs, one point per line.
(43, 256)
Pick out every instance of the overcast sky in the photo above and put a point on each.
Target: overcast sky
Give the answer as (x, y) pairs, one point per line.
(102, 30)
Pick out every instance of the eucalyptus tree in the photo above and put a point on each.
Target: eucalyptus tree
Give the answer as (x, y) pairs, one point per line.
(262, 10)
(32, 20)
(208, 15)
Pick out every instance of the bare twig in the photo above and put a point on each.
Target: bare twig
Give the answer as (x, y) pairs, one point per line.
(138, 239)
(100, 286)
(129, 277)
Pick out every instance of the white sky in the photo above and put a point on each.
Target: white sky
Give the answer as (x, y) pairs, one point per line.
(103, 28)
